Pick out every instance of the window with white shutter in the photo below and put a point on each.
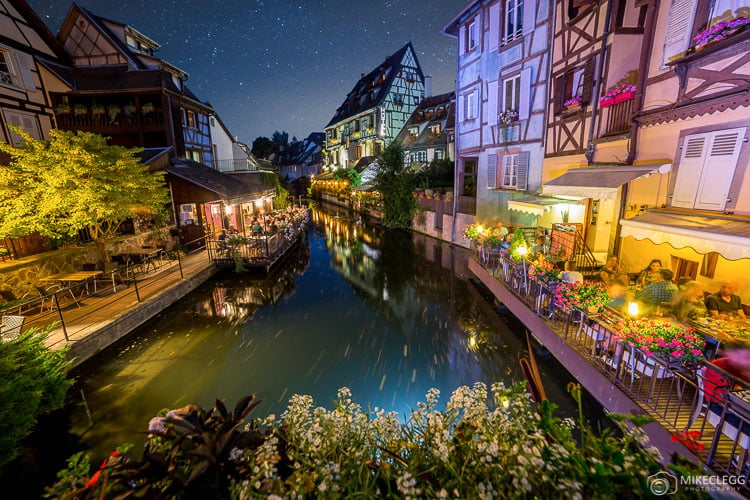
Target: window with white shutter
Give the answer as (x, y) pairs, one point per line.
(707, 165)
(513, 20)
(27, 121)
(679, 28)
(471, 105)
(510, 171)
(7, 68)
(512, 94)
(492, 171)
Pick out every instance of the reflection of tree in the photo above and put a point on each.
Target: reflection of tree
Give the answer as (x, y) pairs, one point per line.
(395, 269)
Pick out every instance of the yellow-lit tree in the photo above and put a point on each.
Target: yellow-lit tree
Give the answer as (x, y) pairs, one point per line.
(74, 181)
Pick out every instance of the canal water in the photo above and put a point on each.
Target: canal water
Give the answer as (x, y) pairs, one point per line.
(387, 313)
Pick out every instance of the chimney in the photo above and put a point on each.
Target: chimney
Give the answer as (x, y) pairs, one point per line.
(427, 86)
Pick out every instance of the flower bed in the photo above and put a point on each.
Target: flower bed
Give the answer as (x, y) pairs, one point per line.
(667, 339)
(484, 444)
(585, 296)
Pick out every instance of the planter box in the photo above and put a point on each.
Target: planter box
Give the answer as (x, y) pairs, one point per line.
(606, 102)
(625, 96)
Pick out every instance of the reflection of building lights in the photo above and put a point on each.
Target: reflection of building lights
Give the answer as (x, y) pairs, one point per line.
(505, 403)
(473, 341)
(229, 209)
(259, 202)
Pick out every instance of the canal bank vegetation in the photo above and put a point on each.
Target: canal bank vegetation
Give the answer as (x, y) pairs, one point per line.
(396, 183)
(33, 382)
(484, 444)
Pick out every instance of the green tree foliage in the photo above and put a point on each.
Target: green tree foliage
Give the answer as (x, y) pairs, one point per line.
(351, 175)
(396, 184)
(517, 241)
(33, 381)
(262, 147)
(75, 181)
(439, 173)
(280, 140)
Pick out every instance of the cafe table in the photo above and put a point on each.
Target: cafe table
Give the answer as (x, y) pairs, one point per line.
(68, 280)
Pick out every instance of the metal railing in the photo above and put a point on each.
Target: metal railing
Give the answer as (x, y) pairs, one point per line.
(671, 393)
(74, 310)
(235, 165)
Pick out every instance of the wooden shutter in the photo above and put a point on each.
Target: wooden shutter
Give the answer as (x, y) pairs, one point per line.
(523, 170)
(492, 171)
(579, 3)
(529, 16)
(462, 40)
(25, 63)
(679, 28)
(689, 171)
(718, 169)
(524, 108)
(492, 103)
(588, 80)
(558, 95)
(494, 26)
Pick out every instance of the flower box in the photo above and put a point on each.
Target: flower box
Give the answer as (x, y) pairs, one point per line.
(625, 96)
(606, 102)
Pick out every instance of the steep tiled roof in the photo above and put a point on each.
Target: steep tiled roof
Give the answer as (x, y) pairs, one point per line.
(370, 90)
(421, 118)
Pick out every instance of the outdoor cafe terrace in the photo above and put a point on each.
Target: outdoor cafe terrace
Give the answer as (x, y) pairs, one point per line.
(626, 352)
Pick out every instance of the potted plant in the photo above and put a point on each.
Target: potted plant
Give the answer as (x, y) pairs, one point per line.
(585, 296)
(147, 108)
(63, 109)
(97, 109)
(673, 342)
(621, 92)
(719, 31)
(128, 109)
(113, 110)
(80, 110)
(449, 195)
(573, 102)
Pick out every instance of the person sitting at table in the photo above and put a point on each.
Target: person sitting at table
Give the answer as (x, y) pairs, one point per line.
(618, 295)
(505, 245)
(735, 362)
(223, 235)
(653, 295)
(608, 272)
(256, 228)
(650, 274)
(571, 275)
(725, 302)
(688, 303)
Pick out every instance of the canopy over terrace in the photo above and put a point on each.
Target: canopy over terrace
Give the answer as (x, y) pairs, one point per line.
(600, 183)
(729, 236)
(537, 205)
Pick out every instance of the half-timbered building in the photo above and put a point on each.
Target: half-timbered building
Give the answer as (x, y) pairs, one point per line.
(121, 89)
(596, 50)
(375, 110)
(428, 134)
(501, 88)
(695, 112)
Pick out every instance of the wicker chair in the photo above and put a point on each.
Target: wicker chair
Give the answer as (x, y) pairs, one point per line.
(10, 328)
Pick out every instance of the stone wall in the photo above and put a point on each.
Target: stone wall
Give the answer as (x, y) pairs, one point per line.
(22, 276)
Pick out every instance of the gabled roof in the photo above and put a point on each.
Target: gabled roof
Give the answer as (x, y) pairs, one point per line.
(40, 28)
(358, 100)
(420, 119)
(224, 186)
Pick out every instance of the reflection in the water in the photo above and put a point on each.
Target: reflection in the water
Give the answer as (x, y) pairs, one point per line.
(387, 313)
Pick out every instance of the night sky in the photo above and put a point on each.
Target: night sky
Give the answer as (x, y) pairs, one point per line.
(281, 65)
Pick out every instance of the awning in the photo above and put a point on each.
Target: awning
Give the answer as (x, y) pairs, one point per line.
(598, 183)
(324, 176)
(727, 236)
(536, 205)
(366, 186)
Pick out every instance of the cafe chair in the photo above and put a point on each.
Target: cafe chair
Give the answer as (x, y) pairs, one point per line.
(10, 328)
(714, 417)
(9, 296)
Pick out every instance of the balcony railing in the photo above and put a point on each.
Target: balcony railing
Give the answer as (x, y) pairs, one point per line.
(106, 119)
(618, 118)
(232, 165)
(675, 396)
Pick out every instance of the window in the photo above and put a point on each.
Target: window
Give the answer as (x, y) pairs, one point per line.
(413, 132)
(512, 94)
(706, 169)
(420, 156)
(679, 32)
(515, 171)
(513, 20)
(27, 121)
(435, 129)
(471, 35)
(438, 154)
(356, 125)
(470, 105)
(576, 82)
(6, 68)
(191, 119)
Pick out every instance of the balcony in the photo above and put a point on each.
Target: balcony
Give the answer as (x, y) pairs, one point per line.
(232, 165)
(114, 121)
(616, 118)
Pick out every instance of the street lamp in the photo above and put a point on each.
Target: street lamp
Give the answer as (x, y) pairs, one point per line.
(522, 251)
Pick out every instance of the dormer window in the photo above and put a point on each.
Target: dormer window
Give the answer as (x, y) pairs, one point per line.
(435, 129)
(413, 132)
